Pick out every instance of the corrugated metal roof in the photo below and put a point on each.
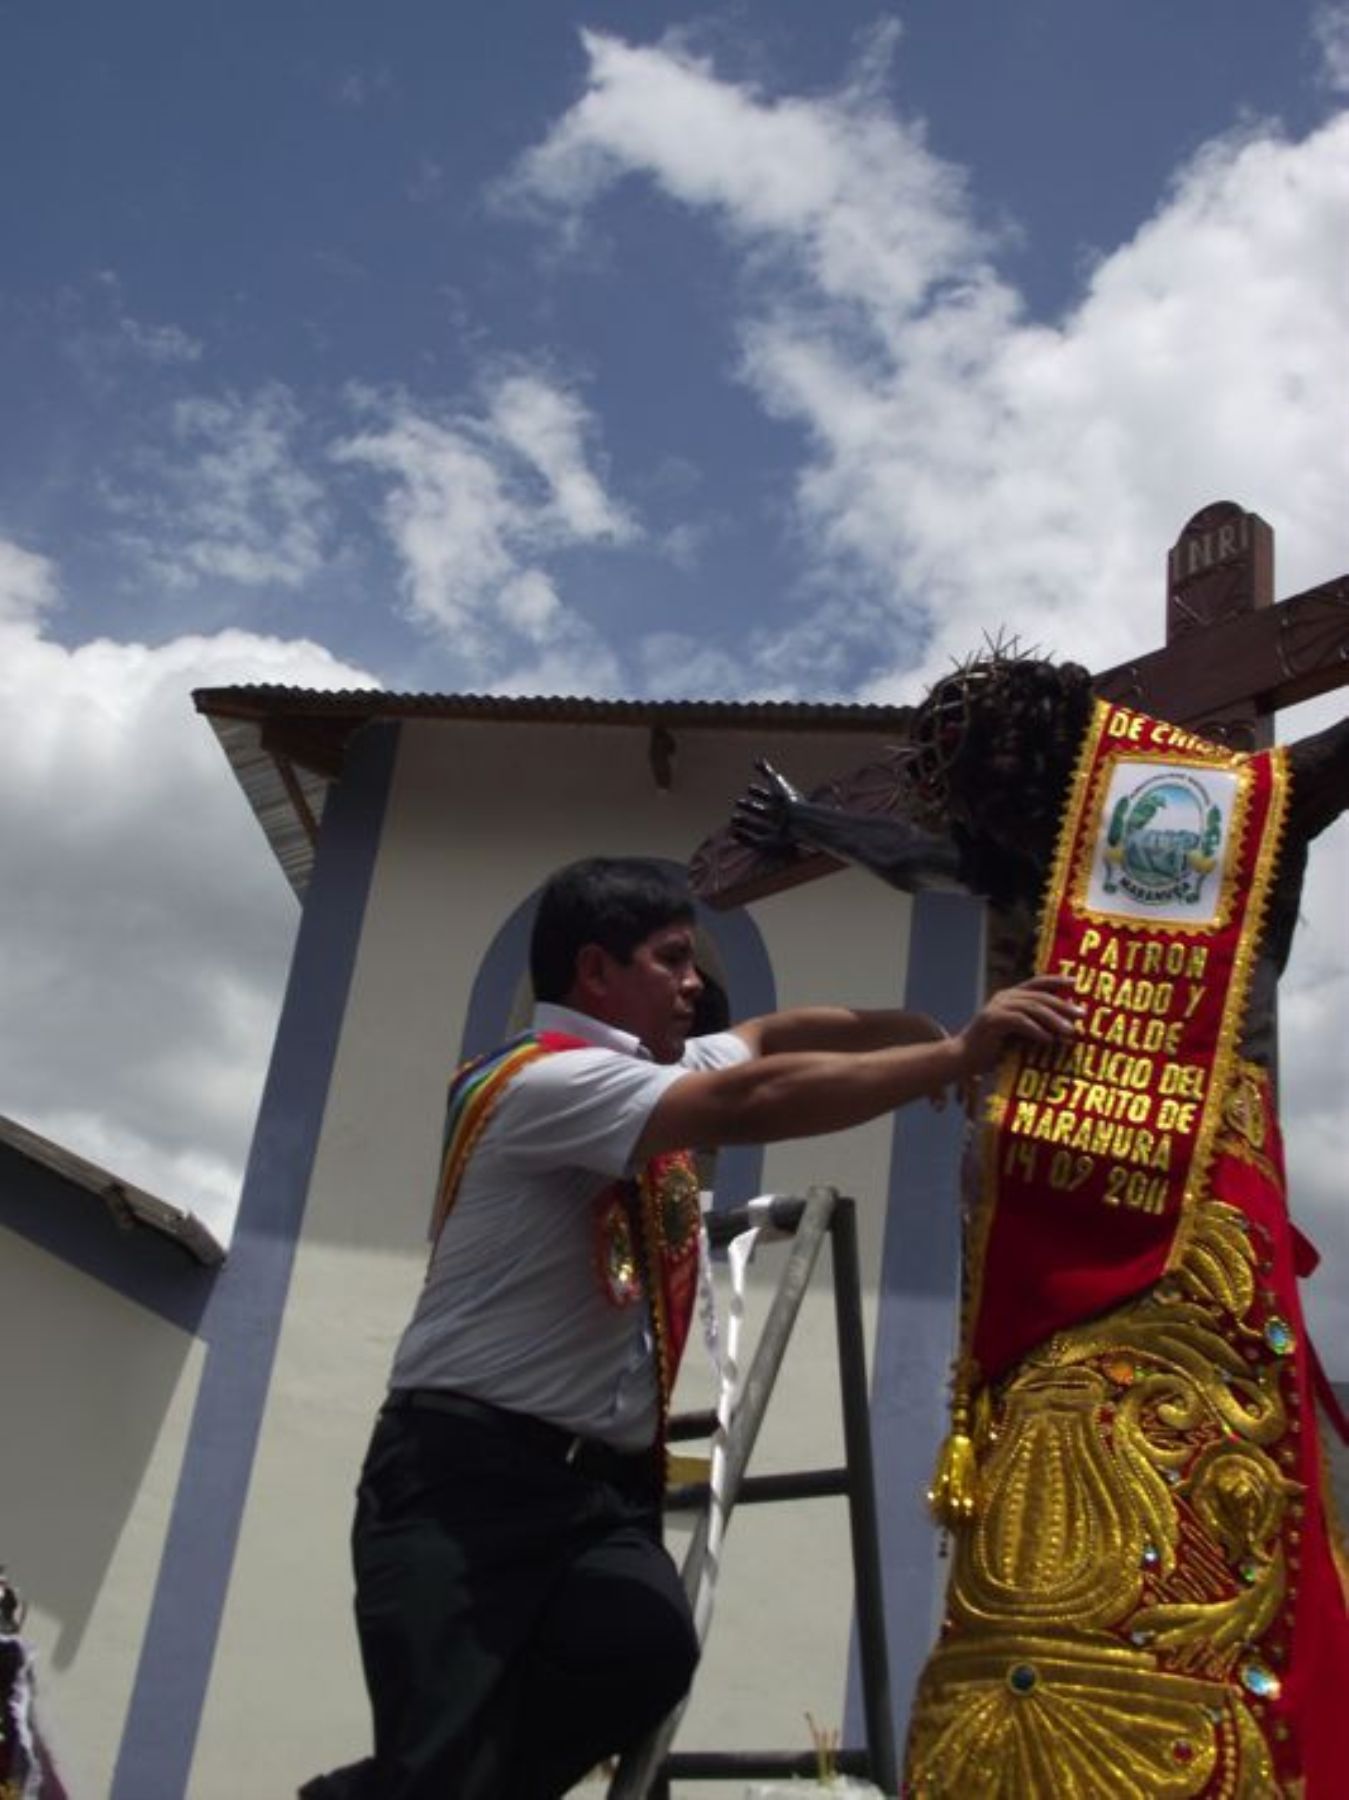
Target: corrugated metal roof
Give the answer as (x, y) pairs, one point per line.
(130, 1206)
(271, 783)
(287, 744)
(259, 698)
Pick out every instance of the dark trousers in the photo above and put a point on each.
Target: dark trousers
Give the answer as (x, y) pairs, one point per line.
(519, 1618)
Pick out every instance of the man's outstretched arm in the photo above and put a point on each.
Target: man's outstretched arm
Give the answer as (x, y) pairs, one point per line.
(805, 1093)
(837, 1028)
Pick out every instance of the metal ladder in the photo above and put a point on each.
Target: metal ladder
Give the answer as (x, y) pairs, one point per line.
(646, 1771)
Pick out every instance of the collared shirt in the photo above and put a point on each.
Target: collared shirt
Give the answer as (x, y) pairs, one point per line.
(516, 1309)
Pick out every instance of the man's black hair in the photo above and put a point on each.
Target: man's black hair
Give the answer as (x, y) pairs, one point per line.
(613, 901)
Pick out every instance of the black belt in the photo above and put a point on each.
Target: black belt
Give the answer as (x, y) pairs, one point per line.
(588, 1456)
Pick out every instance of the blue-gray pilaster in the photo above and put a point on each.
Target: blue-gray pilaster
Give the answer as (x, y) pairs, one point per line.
(243, 1319)
(916, 1324)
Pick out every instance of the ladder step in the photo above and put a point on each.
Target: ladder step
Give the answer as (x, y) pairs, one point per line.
(805, 1484)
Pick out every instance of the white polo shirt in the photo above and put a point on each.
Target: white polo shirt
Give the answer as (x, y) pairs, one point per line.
(515, 1309)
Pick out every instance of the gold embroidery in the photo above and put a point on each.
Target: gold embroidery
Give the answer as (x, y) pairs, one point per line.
(1035, 1719)
(1055, 1537)
(1218, 1263)
(616, 1258)
(679, 1210)
(1244, 1105)
(1126, 1556)
(1126, 1544)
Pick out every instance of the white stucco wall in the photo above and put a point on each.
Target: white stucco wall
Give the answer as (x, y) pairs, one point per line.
(98, 1395)
(479, 816)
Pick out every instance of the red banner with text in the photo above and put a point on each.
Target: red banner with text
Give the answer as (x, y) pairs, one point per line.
(1093, 1150)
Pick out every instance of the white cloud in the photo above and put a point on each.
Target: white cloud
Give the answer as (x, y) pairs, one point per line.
(102, 336)
(846, 189)
(146, 926)
(672, 663)
(576, 663)
(159, 343)
(1330, 27)
(547, 427)
(965, 468)
(360, 88)
(27, 585)
(1314, 1062)
(476, 505)
(232, 500)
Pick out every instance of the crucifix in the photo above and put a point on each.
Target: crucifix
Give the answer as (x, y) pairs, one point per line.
(1101, 1256)
(1233, 657)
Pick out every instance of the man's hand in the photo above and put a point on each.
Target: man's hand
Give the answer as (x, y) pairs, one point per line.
(802, 1093)
(1041, 1009)
(762, 816)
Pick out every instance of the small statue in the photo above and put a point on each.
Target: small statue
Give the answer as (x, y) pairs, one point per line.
(12, 1608)
(26, 1769)
(1146, 1593)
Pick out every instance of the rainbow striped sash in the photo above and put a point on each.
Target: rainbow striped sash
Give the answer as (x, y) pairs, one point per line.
(474, 1092)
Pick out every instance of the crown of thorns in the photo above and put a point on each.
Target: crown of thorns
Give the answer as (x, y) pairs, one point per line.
(982, 683)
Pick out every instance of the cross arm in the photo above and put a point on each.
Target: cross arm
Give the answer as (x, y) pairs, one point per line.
(1278, 655)
(1275, 656)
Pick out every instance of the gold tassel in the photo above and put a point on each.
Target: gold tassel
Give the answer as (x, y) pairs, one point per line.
(953, 1496)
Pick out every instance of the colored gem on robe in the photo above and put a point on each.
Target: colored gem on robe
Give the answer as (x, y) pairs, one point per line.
(1280, 1337)
(1182, 1751)
(1260, 1681)
(1022, 1677)
(1151, 1556)
(1121, 1371)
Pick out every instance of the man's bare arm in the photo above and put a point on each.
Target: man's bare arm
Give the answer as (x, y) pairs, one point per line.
(806, 1093)
(836, 1028)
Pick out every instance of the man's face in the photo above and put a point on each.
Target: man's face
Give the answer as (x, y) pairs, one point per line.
(652, 995)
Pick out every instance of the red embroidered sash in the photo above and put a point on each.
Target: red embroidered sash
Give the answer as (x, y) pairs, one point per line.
(669, 1220)
(1092, 1153)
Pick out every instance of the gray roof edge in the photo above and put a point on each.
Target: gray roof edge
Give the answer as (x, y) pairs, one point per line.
(274, 698)
(129, 1205)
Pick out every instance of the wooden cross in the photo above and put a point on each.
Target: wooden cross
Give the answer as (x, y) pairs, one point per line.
(1233, 657)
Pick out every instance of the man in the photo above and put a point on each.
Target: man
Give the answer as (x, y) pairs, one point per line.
(1147, 1594)
(518, 1615)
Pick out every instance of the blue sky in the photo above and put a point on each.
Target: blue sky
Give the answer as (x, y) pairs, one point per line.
(778, 349)
(243, 239)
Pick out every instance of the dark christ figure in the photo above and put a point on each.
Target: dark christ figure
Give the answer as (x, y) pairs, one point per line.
(1147, 1594)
